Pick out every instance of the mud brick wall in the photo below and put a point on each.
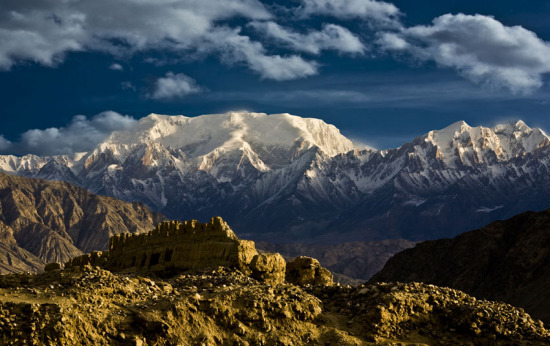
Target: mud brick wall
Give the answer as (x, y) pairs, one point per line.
(181, 245)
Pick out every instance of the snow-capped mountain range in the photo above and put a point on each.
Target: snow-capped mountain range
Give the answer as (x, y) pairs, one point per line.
(282, 177)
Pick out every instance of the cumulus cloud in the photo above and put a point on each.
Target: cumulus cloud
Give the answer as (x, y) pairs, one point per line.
(116, 67)
(281, 68)
(81, 134)
(480, 48)
(39, 34)
(392, 41)
(4, 144)
(45, 31)
(236, 48)
(332, 37)
(174, 86)
(379, 12)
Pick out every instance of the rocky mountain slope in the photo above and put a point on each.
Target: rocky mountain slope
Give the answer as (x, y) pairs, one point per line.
(43, 221)
(252, 299)
(506, 260)
(281, 176)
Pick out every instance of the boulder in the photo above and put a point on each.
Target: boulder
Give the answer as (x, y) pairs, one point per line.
(50, 267)
(269, 268)
(307, 271)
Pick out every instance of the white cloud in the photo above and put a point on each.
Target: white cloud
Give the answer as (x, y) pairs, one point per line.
(281, 68)
(81, 134)
(174, 86)
(379, 12)
(236, 48)
(116, 67)
(44, 31)
(480, 48)
(38, 35)
(331, 36)
(392, 41)
(4, 144)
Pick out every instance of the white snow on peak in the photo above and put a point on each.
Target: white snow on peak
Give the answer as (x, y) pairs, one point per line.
(13, 164)
(205, 134)
(519, 139)
(473, 145)
(489, 209)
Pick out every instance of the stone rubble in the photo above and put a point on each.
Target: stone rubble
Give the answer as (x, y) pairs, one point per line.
(225, 306)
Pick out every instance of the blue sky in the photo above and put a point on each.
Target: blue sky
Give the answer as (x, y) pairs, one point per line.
(382, 72)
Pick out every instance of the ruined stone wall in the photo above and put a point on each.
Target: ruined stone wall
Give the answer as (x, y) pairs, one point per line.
(94, 259)
(181, 245)
(175, 245)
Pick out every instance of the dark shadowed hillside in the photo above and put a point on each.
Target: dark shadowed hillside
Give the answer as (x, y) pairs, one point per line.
(506, 260)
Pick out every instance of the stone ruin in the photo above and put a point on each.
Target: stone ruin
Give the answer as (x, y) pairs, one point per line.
(180, 246)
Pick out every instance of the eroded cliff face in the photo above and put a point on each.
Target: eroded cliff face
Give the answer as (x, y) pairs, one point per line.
(49, 221)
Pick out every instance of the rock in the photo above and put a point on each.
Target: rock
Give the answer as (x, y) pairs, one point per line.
(351, 262)
(150, 325)
(52, 266)
(307, 271)
(91, 305)
(268, 267)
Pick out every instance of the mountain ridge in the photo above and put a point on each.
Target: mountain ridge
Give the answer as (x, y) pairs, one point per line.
(282, 175)
(43, 221)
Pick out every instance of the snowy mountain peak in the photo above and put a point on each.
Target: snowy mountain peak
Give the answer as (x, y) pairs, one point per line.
(459, 126)
(241, 131)
(520, 125)
(460, 143)
(512, 127)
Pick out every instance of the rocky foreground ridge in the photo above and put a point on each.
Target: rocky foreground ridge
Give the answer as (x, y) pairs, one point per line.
(259, 299)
